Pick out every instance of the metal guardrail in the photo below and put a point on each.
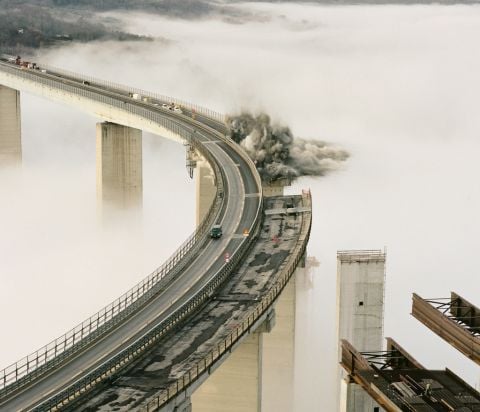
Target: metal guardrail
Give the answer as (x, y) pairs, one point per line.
(212, 114)
(244, 326)
(143, 93)
(52, 354)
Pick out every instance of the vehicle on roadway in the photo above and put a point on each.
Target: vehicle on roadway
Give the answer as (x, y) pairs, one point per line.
(216, 231)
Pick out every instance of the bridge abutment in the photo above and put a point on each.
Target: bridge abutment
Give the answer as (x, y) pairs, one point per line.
(119, 166)
(10, 127)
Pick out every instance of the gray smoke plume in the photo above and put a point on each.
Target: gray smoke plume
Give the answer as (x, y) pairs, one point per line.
(277, 154)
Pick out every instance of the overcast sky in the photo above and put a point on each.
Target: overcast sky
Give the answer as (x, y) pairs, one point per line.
(395, 86)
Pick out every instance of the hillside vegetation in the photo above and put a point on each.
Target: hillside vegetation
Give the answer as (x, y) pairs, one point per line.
(46, 22)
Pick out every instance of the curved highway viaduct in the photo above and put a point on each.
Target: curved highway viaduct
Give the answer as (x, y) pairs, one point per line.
(87, 358)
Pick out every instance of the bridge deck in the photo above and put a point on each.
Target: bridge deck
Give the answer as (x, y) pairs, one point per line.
(176, 355)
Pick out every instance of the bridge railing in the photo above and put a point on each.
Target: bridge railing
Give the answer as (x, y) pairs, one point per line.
(244, 325)
(52, 354)
(161, 98)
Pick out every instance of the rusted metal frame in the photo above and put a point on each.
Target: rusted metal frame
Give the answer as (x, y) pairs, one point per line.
(383, 359)
(412, 363)
(443, 307)
(453, 306)
(445, 327)
(353, 361)
(465, 312)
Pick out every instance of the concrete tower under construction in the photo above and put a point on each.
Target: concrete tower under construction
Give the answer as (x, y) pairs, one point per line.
(360, 307)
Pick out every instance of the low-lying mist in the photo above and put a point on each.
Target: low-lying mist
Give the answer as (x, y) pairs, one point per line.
(396, 87)
(61, 260)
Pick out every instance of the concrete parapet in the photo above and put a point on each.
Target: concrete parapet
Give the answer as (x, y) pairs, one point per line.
(10, 127)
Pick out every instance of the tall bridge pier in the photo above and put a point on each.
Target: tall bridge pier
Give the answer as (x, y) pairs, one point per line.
(10, 127)
(360, 303)
(119, 166)
(205, 188)
(260, 370)
(236, 385)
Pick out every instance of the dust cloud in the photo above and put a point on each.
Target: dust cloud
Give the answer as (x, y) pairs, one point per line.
(277, 153)
(396, 86)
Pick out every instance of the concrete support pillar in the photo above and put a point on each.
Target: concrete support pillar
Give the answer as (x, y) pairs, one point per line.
(236, 385)
(10, 127)
(360, 306)
(205, 188)
(185, 406)
(119, 166)
(279, 355)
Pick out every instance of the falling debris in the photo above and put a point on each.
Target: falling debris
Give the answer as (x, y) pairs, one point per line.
(277, 154)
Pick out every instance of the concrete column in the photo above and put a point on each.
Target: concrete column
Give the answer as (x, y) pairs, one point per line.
(119, 166)
(279, 354)
(185, 406)
(360, 306)
(236, 385)
(10, 127)
(205, 188)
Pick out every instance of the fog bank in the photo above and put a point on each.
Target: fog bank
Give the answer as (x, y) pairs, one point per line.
(397, 87)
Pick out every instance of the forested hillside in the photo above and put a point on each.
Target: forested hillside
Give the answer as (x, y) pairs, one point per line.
(43, 23)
